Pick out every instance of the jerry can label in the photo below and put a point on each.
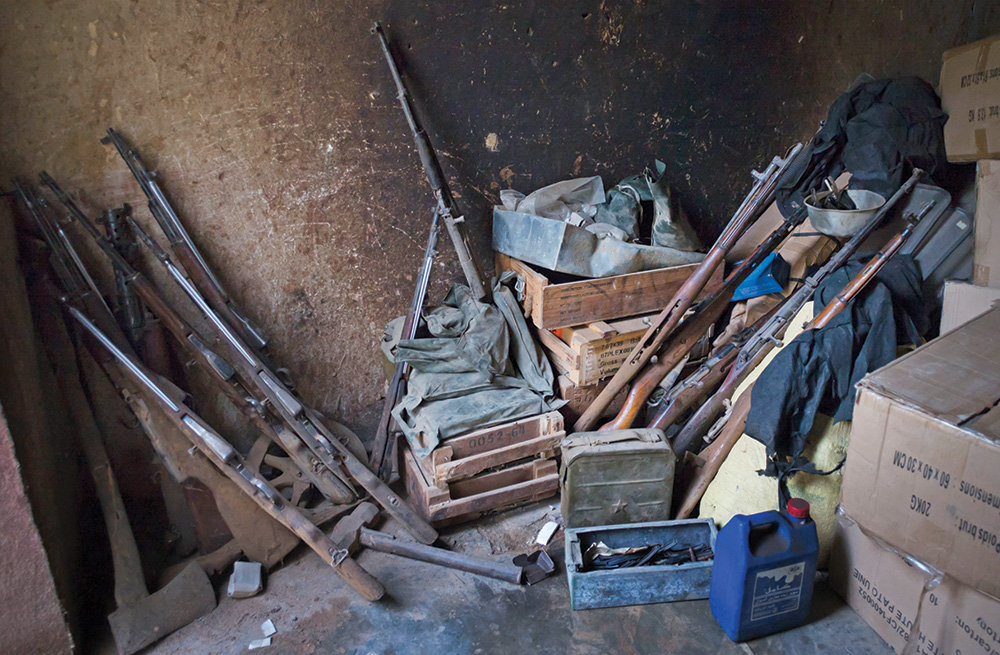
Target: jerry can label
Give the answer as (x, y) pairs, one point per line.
(777, 591)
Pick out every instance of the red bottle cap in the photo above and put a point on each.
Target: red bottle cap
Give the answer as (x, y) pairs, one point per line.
(798, 508)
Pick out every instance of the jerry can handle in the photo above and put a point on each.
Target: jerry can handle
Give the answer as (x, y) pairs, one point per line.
(755, 521)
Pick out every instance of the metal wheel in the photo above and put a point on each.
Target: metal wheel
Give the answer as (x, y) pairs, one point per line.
(269, 461)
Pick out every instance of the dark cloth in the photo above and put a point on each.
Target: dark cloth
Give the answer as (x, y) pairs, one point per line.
(879, 131)
(817, 371)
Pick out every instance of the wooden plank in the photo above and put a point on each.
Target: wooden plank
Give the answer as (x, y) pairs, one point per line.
(560, 354)
(499, 436)
(585, 301)
(543, 446)
(603, 329)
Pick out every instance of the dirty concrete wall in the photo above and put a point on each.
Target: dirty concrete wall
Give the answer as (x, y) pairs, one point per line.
(279, 139)
(31, 620)
(40, 493)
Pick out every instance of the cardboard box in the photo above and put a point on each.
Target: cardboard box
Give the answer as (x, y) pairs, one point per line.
(986, 253)
(963, 302)
(970, 95)
(924, 455)
(904, 600)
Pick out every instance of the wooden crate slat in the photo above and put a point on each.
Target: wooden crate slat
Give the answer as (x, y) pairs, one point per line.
(584, 301)
(468, 499)
(467, 467)
(499, 436)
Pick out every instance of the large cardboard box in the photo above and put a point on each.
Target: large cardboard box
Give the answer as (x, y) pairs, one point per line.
(904, 600)
(923, 462)
(970, 95)
(963, 302)
(986, 253)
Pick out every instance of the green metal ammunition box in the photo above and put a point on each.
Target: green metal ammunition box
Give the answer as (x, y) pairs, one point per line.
(615, 477)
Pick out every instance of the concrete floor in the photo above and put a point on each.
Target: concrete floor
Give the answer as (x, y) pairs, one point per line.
(435, 611)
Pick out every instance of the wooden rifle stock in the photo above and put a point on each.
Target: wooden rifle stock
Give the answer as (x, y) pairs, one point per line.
(664, 325)
(692, 329)
(711, 458)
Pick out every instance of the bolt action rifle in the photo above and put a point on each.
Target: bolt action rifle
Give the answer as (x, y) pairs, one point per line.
(710, 460)
(384, 459)
(760, 196)
(446, 207)
(769, 336)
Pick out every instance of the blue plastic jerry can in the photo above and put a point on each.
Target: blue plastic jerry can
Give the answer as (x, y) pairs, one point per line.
(762, 575)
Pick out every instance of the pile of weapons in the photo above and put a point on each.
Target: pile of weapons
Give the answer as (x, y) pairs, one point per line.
(241, 369)
(715, 426)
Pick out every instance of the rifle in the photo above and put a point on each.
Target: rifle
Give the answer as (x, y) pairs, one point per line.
(130, 311)
(328, 481)
(704, 378)
(760, 196)
(712, 457)
(227, 460)
(384, 461)
(301, 419)
(705, 314)
(757, 348)
(446, 206)
(183, 247)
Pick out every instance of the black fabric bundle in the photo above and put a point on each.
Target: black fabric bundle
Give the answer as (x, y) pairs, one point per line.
(817, 371)
(879, 131)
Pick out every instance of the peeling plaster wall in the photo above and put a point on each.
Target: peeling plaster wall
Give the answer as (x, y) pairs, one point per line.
(280, 142)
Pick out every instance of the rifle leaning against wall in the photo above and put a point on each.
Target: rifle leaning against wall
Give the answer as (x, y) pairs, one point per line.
(384, 458)
(710, 460)
(446, 207)
(760, 196)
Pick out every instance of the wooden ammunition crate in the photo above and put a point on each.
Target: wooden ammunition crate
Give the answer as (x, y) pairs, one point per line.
(462, 457)
(486, 470)
(464, 500)
(588, 353)
(578, 398)
(554, 305)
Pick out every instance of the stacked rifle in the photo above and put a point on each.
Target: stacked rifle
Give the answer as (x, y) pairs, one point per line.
(708, 389)
(326, 459)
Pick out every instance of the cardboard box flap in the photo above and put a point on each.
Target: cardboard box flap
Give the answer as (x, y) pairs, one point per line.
(955, 378)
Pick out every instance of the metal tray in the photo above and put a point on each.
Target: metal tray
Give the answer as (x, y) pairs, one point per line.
(638, 585)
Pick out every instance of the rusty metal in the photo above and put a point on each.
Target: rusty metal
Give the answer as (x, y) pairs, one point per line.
(446, 206)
